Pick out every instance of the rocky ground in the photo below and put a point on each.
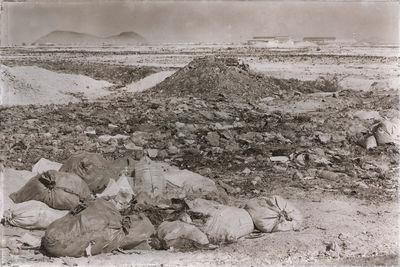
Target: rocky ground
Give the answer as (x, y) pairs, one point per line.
(254, 135)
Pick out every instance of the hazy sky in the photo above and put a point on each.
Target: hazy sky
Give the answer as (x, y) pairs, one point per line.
(194, 21)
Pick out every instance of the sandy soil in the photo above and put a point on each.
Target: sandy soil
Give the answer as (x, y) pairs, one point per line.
(336, 228)
(33, 85)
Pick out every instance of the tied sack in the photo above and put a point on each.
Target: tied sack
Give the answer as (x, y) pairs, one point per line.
(224, 223)
(179, 234)
(91, 167)
(139, 231)
(92, 228)
(274, 214)
(32, 215)
(59, 190)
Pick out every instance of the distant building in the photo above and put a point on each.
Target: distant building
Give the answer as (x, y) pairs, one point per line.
(319, 40)
(265, 39)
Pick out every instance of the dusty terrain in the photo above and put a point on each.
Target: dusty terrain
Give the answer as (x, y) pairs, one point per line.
(348, 194)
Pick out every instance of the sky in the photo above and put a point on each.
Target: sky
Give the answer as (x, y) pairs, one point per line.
(205, 21)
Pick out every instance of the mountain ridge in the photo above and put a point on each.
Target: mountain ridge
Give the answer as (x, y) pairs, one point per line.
(78, 38)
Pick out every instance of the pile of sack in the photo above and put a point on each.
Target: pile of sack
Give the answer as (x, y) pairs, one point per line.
(90, 205)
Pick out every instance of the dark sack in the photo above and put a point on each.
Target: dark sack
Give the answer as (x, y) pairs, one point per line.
(140, 230)
(59, 190)
(90, 229)
(91, 167)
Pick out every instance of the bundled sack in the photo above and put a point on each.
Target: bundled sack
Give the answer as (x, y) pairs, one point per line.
(32, 215)
(89, 230)
(187, 184)
(149, 179)
(274, 214)
(224, 224)
(59, 190)
(139, 230)
(179, 234)
(91, 167)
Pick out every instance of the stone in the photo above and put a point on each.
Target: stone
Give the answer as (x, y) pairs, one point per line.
(246, 171)
(162, 154)
(367, 115)
(179, 124)
(112, 126)
(90, 131)
(213, 138)
(370, 142)
(281, 159)
(324, 138)
(173, 150)
(152, 153)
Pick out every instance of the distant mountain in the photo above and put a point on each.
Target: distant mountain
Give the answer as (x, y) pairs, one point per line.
(77, 38)
(128, 36)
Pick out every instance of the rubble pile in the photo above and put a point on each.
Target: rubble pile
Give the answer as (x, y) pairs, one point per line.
(216, 77)
(237, 140)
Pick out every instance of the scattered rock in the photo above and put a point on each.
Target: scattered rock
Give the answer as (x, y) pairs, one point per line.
(213, 138)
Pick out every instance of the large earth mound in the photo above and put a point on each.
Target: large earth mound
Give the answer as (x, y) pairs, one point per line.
(213, 76)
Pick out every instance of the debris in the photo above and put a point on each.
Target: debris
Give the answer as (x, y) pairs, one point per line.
(385, 133)
(324, 138)
(30, 240)
(369, 142)
(152, 153)
(107, 138)
(246, 171)
(213, 138)
(367, 115)
(90, 131)
(274, 214)
(281, 159)
(44, 165)
(118, 192)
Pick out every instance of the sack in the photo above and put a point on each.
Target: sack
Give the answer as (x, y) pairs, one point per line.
(89, 230)
(140, 230)
(274, 214)
(149, 179)
(225, 224)
(32, 214)
(179, 234)
(187, 184)
(91, 167)
(59, 190)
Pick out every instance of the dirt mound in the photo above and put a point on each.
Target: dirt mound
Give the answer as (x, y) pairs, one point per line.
(213, 76)
(32, 85)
